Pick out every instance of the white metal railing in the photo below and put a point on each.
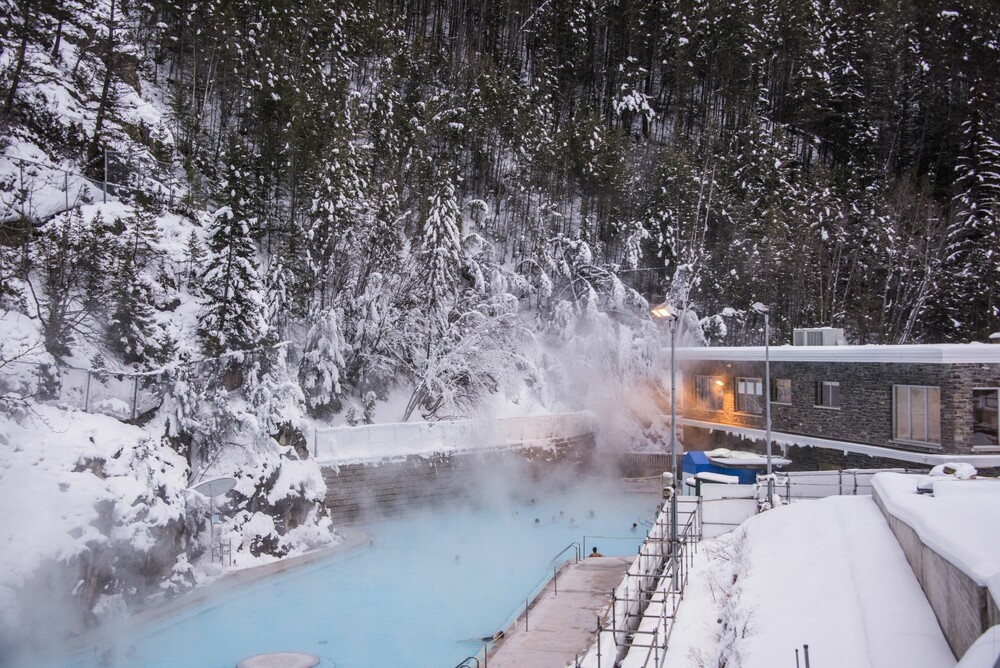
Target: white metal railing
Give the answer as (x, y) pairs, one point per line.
(802, 485)
(404, 438)
(657, 577)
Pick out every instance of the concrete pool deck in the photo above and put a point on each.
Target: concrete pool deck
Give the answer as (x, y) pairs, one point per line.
(562, 625)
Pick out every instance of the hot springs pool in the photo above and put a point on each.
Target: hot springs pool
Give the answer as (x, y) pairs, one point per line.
(425, 593)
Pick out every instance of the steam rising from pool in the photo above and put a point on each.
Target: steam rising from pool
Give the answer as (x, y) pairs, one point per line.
(428, 589)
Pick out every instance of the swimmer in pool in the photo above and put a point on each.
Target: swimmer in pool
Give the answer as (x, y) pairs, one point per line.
(634, 526)
(595, 553)
(537, 521)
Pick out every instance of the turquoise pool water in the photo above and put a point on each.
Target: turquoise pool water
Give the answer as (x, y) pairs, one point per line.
(423, 596)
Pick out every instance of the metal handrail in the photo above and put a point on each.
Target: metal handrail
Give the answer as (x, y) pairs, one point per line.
(576, 547)
(465, 662)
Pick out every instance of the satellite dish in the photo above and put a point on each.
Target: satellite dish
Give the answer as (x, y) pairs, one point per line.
(215, 487)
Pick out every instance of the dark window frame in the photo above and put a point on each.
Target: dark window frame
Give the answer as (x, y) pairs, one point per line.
(775, 396)
(747, 402)
(911, 434)
(985, 391)
(826, 397)
(708, 394)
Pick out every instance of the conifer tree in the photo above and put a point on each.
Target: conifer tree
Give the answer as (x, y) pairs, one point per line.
(232, 314)
(971, 284)
(321, 371)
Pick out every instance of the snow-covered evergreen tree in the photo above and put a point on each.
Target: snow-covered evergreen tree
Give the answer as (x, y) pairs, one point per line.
(232, 314)
(972, 257)
(321, 371)
(441, 251)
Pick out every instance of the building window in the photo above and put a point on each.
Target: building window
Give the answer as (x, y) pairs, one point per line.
(750, 395)
(708, 393)
(917, 413)
(781, 390)
(828, 394)
(985, 403)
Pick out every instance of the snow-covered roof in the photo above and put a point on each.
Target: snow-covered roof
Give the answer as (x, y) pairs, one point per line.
(780, 438)
(961, 521)
(943, 353)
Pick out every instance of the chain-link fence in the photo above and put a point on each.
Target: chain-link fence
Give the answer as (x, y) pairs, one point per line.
(124, 396)
(35, 190)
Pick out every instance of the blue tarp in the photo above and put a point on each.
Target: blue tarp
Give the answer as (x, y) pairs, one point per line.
(697, 461)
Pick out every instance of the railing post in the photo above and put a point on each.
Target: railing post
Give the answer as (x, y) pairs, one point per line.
(598, 642)
(614, 618)
(66, 187)
(805, 653)
(105, 175)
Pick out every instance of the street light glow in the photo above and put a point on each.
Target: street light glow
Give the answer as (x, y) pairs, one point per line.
(663, 311)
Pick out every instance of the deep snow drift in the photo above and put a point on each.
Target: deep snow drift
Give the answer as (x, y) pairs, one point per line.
(827, 573)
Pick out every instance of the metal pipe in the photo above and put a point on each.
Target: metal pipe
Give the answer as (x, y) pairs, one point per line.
(673, 435)
(805, 652)
(767, 411)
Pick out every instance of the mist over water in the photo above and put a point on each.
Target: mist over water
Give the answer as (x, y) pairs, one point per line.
(430, 587)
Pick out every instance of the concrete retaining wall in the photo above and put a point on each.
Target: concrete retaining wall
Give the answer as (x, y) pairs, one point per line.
(963, 608)
(409, 483)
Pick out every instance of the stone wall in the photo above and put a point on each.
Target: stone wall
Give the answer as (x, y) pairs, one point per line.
(390, 487)
(866, 408)
(964, 609)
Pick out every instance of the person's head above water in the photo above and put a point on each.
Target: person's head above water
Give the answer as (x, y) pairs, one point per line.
(594, 551)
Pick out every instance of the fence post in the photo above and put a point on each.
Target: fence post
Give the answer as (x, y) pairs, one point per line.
(21, 190)
(86, 395)
(135, 394)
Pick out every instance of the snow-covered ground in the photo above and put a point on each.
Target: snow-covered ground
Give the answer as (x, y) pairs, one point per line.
(826, 573)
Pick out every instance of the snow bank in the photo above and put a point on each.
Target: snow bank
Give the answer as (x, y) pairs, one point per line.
(43, 476)
(960, 521)
(826, 573)
(381, 441)
(985, 652)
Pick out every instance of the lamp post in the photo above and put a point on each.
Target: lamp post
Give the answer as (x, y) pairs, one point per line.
(663, 312)
(760, 308)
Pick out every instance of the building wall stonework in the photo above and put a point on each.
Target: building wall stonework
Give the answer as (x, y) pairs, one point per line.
(865, 414)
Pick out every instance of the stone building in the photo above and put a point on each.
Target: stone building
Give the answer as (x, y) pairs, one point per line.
(840, 406)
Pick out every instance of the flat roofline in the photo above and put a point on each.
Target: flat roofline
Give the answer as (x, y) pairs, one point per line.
(781, 438)
(939, 353)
